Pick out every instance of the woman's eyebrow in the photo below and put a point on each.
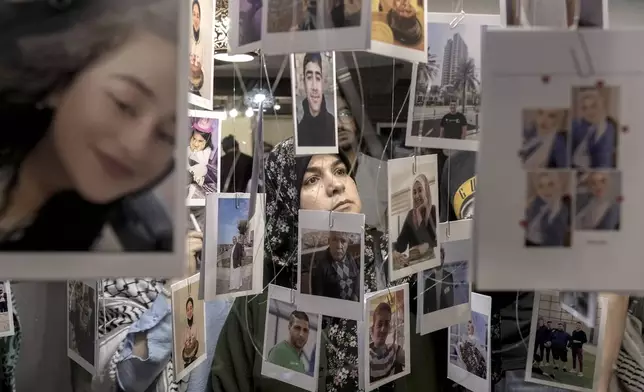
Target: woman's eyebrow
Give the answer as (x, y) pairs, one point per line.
(137, 83)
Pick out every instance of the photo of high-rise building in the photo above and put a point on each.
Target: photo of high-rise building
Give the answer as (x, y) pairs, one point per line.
(454, 54)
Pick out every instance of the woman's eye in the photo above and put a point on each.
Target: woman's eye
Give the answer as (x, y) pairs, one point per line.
(340, 172)
(311, 180)
(166, 138)
(123, 106)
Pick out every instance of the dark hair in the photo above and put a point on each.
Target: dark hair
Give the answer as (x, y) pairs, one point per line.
(560, 323)
(548, 322)
(299, 315)
(206, 136)
(228, 143)
(311, 58)
(190, 301)
(382, 307)
(196, 2)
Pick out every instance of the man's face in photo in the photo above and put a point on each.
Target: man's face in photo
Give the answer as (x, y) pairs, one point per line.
(298, 333)
(560, 327)
(234, 240)
(452, 107)
(549, 325)
(578, 326)
(346, 124)
(338, 243)
(380, 328)
(313, 86)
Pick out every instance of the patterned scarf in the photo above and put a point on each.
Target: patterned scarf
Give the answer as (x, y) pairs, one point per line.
(10, 349)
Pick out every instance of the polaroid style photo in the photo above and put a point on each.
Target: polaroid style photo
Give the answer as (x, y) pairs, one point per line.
(203, 155)
(386, 323)
(547, 140)
(202, 46)
(563, 351)
(314, 103)
(195, 237)
(581, 305)
(414, 242)
(292, 341)
(235, 253)
(66, 235)
(293, 26)
(444, 291)
(82, 323)
(245, 28)
(562, 14)
(570, 217)
(469, 347)
(398, 29)
(330, 272)
(457, 191)
(188, 327)
(6, 310)
(445, 95)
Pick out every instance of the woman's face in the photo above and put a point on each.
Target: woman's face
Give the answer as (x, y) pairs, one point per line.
(328, 186)
(547, 187)
(196, 17)
(114, 125)
(189, 310)
(590, 107)
(548, 121)
(380, 328)
(598, 182)
(418, 194)
(404, 8)
(197, 142)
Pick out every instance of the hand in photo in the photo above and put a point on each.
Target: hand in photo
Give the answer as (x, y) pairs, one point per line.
(194, 245)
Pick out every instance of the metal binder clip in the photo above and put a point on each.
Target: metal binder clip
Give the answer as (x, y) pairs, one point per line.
(330, 219)
(236, 200)
(414, 165)
(458, 7)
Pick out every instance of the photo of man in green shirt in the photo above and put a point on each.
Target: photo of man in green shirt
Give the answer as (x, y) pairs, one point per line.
(288, 353)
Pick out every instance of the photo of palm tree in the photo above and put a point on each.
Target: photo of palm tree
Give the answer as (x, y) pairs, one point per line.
(447, 92)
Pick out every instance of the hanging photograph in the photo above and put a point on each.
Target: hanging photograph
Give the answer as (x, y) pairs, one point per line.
(293, 26)
(563, 351)
(414, 243)
(398, 29)
(314, 103)
(188, 327)
(330, 272)
(292, 337)
(446, 86)
(195, 238)
(203, 156)
(562, 14)
(82, 324)
(202, 48)
(546, 139)
(457, 191)
(245, 26)
(581, 305)
(537, 227)
(444, 291)
(470, 347)
(6, 310)
(99, 141)
(235, 245)
(386, 315)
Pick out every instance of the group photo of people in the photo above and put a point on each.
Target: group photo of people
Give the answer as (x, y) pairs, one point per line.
(82, 333)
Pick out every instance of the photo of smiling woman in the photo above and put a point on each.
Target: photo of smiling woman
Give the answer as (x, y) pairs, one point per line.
(313, 80)
(95, 102)
(545, 139)
(548, 208)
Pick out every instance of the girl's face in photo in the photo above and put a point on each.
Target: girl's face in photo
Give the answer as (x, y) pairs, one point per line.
(547, 187)
(418, 194)
(197, 142)
(548, 120)
(328, 186)
(189, 309)
(598, 182)
(381, 327)
(114, 125)
(196, 17)
(590, 107)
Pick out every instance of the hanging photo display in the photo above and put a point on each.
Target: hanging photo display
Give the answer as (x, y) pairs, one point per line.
(245, 28)
(446, 89)
(444, 291)
(202, 47)
(188, 327)
(564, 352)
(235, 245)
(386, 323)
(581, 305)
(457, 191)
(566, 158)
(314, 103)
(469, 347)
(203, 155)
(292, 26)
(562, 14)
(331, 263)
(6, 310)
(82, 324)
(291, 351)
(398, 29)
(414, 238)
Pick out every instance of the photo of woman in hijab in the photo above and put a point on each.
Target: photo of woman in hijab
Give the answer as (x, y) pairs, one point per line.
(545, 139)
(597, 203)
(548, 213)
(197, 51)
(202, 157)
(594, 129)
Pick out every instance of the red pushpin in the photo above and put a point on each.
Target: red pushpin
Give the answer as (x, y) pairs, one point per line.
(625, 128)
(620, 199)
(523, 224)
(545, 79)
(599, 84)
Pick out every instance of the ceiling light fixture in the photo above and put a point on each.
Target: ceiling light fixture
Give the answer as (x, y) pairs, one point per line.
(277, 106)
(233, 113)
(249, 112)
(234, 58)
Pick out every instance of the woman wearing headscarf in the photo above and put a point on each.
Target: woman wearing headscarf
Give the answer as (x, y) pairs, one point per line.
(597, 209)
(545, 142)
(317, 182)
(197, 51)
(547, 216)
(594, 133)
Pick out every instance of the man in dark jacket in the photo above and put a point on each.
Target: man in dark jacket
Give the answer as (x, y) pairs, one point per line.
(560, 342)
(541, 337)
(317, 126)
(579, 338)
(336, 274)
(439, 288)
(236, 167)
(238, 253)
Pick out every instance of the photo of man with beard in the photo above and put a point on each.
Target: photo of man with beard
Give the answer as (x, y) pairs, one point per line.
(288, 353)
(190, 341)
(188, 327)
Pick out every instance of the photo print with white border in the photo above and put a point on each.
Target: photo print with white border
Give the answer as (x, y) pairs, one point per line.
(568, 355)
(195, 237)
(314, 103)
(235, 249)
(245, 27)
(444, 291)
(581, 305)
(457, 191)
(439, 116)
(386, 323)
(121, 215)
(330, 269)
(203, 155)
(82, 323)
(545, 13)
(398, 29)
(6, 310)
(548, 211)
(292, 341)
(414, 243)
(469, 347)
(603, 115)
(201, 80)
(188, 327)
(547, 138)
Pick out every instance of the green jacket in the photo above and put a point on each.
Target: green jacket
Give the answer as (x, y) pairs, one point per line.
(237, 364)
